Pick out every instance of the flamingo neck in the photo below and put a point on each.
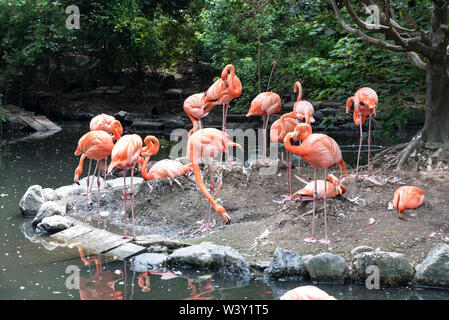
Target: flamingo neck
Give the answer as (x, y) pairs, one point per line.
(143, 170)
(298, 88)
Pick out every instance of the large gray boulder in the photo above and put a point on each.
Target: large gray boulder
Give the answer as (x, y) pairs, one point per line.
(286, 264)
(54, 224)
(148, 261)
(50, 194)
(327, 267)
(229, 261)
(394, 268)
(70, 190)
(434, 270)
(48, 209)
(196, 256)
(32, 200)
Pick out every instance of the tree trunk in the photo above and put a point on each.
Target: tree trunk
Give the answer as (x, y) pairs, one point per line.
(436, 127)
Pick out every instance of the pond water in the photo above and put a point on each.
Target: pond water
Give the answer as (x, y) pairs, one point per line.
(36, 268)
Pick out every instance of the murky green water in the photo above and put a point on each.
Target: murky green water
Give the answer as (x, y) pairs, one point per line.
(35, 268)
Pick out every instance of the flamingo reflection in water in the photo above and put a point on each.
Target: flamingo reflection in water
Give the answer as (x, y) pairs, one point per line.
(144, 282)
(101, 285)
(199, 292)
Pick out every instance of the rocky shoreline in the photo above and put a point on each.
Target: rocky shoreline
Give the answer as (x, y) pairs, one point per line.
(393, 269)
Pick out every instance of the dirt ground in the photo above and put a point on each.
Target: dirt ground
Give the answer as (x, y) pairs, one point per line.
(253, 202)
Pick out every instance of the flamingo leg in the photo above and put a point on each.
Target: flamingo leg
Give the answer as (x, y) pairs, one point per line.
(225, 115)
(312, 238)
(90, 185)
(87, 190)
(125, 195)
(99, 193)
(207, 225)
(360, 146)
(369, 141)
(200, 123)
(289, 176)
(326, 239)
(264, 148)
(131, 198)
(105, 168)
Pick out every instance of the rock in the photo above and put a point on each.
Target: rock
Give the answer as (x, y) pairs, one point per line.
(318, 116)
(148, 261)
(155, 239)
(394, 268)
(173, 92)
(92, 180)
(54, 224)
(32, 200)
(229, 262)
(50, 194)
(174, 123)
(15, 123)
(260, 265)
(349, 127)
(71, 190)
(285, 264)
(147, 125)
(361, 249)
(327, 267)
(128, 117)
(196, 256)
(328, 112)
(48, 209)
(434, 270)
(118, 182)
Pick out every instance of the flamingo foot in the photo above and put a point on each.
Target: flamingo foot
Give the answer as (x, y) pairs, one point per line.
(287, 197)
(324, 241)
(310, 240)
(206, 227)
(231, 163)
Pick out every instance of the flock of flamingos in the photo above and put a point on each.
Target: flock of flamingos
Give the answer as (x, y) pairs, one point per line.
(319, 150)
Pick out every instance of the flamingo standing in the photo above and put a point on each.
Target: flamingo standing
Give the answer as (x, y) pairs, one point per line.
(407, 197)
(321, 151)
(365, 102)
(196, 110)
(164, 169)
(264, 104)
(333, 187)
(306, 293)
(207, 144)
(95, 145)
(104, 122)
(125, 155)
(302, 109)
(277, 134)
(226, 88)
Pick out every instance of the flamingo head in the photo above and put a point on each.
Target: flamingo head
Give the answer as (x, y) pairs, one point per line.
(302, 131)
(222, 212)
(367, 99)
(341, 189)
(117, 129)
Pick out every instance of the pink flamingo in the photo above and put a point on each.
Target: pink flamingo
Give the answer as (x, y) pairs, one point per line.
(226, 88)
(164, 169)
(95, 145)
(365, 102)
(196, 110)
(264, 104)
(125, 155)
(407, 197)
(207, 144)
(321, 151)
(277, 134)
(333, 187)
(306, 293)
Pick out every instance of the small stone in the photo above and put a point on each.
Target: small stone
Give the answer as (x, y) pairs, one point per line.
(32, 200)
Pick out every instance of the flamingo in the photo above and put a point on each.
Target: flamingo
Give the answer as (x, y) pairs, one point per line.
(125, 155)
(302, 109)
(226, 88)
(264, 104)
(95, 145)
(306, 293)
(334, 188)
(195, 108)
(321, 151)
(104, 122)
(278, 135)
(407, 197)
(207, 144)
(365, 102)
(164, 169)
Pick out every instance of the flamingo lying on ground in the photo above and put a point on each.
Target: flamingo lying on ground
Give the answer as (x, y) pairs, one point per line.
(277, 134)
(226, 88)
(196, 110)
(107, 123)
(125, 155)
(306, 293)
(407, 197)
(207, 144)
(321, 151)
(365, 102)
(333, 187)
(95, 145)
(264, 104)
(164, 169)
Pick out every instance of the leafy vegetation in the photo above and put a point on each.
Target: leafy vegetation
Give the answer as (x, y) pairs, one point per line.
(272, 44)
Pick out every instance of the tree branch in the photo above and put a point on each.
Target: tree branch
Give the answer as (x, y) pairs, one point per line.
(417, 61)
(363, 36)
